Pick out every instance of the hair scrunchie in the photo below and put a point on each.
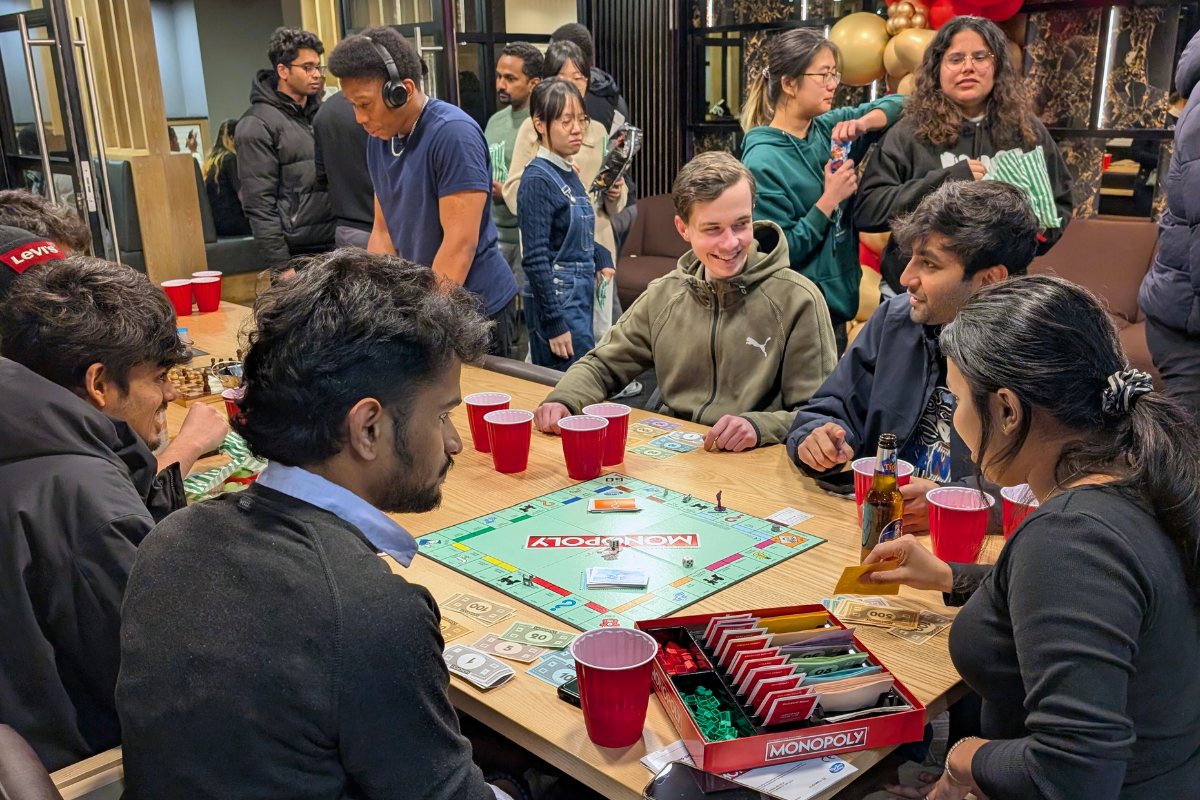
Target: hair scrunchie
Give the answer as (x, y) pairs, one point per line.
(1124, 388)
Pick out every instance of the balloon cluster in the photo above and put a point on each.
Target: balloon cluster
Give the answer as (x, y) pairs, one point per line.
(873, 47)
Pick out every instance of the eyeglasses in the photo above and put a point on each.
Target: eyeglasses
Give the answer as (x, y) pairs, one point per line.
(568, 123)
(311, 69)
(979, 58)
(826, 78)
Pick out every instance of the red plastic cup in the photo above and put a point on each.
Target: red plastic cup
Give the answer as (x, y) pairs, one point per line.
(613, 667)
(233, 399)
(478, 405)
(617, 431)
(208, 273)
(1018, 502)
(864, 474)
(1107, 161)
(958, 519)
(509, 432)
(583, 441)
(179, 292)
(208, 293)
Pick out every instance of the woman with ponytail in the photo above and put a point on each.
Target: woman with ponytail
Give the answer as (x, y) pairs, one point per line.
(1082, 639)
(789, 132)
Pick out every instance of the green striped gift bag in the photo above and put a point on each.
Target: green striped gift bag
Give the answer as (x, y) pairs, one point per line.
(499, 166)
(1028, 171)
(202, 484)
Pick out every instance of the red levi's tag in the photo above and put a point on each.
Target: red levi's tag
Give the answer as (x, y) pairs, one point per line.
(23, 257)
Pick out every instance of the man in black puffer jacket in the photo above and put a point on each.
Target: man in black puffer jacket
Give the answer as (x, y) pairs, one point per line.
(289, 213)
(1170, 294)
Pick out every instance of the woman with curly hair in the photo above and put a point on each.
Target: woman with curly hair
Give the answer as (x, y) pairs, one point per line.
(969, 106)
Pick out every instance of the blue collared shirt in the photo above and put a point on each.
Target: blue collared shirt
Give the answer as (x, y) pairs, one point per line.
(380, 529)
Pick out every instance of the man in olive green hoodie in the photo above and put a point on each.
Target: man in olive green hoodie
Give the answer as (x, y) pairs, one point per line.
(737, 339)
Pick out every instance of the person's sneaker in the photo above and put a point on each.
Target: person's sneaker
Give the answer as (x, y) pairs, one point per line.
(632, 390)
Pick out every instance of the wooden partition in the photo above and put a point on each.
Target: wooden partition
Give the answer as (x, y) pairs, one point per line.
(120, 36)
(322, 18)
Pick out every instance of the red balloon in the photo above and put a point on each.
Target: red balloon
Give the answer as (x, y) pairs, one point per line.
(1002, 10)
(943, 11)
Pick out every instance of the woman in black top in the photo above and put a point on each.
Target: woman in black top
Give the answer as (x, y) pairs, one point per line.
(222, 184)
(1082, 639)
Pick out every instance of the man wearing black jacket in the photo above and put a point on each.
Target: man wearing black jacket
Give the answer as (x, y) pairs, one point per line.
(267, 650)
(341, 159)
(603, 100)
(892, 378)
(289, 213)
(86, 347)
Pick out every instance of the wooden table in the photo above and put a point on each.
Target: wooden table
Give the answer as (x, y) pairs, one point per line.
(760, 482)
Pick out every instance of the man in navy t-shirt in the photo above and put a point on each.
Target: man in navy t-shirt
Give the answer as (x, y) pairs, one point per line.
(431, 172)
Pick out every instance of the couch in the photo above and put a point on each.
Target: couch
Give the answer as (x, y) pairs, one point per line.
(652, 248)
(232, 255)
(1109, 256)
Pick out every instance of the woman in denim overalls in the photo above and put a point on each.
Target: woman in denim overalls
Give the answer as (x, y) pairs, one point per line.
(557, 222)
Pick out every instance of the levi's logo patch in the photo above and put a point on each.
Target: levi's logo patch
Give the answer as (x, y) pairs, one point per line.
(23, 257)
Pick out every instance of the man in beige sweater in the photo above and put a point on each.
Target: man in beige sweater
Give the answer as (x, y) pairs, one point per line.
(737, 339)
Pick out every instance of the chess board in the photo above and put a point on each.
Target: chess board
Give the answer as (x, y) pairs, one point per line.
(538, 551)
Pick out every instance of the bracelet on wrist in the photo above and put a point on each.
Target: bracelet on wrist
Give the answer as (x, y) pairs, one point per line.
(950, 772)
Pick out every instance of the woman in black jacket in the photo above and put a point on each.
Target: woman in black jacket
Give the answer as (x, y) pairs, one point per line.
(969, 105)
(1082, 639)
(222, 184)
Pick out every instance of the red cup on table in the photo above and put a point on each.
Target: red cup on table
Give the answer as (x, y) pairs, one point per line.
(1018, 502)
(208, 293)
(233, 401)
(616, 432)
(583, 441)
(478, 405)
(613, 668)
(864, 473)
(179, 292)
(509, 431)
(958, 519)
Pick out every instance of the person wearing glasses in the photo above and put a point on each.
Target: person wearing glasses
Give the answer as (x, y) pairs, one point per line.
(557, 221)
(969, 105)
(288, 211)
(789, 130)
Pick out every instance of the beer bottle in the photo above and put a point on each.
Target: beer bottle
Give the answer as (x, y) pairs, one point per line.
(883, 507)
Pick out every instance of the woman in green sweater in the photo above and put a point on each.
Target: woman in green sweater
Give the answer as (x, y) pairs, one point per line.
(789, 133)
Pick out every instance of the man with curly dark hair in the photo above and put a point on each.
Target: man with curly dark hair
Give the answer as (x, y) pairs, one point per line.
(37, 215)
(267, 649)
(288, 210)
(969, 106)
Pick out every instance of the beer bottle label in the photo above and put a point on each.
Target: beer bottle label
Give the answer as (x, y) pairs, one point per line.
(885, 462)
(894, 530)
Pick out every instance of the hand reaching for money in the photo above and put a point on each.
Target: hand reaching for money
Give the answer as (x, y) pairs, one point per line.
(915, 565)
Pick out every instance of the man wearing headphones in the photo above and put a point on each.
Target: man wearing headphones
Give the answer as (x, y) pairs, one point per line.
(431, 172)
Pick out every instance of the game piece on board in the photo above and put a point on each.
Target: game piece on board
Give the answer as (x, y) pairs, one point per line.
(527, 580)
(614, 545)
(775, 529)
(687, 562)
(718, 507)
(688, 498)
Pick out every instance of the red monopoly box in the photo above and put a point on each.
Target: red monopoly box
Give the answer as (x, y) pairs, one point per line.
(805, 739)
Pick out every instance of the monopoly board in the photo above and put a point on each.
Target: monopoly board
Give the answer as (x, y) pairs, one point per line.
(538, 551)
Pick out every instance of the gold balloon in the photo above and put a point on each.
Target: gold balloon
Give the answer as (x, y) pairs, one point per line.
(891, 28)
(891, 62)
(919, 20)
(861, 37)
(892, 10)
(904, 9)
(907, 84)
(920, 8)
(911, 45)
(875, 242)
(901, 23)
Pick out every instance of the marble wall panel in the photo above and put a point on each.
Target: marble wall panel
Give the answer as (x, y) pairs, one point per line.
(1139, 80)
(1085, 158)
(1061, 49)
(708, 141)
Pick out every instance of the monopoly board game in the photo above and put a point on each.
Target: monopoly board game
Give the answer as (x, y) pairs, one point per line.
(538, 551)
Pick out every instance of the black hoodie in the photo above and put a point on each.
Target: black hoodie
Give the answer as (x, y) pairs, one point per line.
(74, 484)
(288, 211)
(604, 100)
(905, 168)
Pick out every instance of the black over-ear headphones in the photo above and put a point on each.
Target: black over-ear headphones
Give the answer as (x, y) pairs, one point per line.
(394, 93)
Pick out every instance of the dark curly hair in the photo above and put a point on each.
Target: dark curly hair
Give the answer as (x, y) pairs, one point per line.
(350, 325)
(356, 58)
(985, 223)
(62, 317)
(286, 44)
(938, 119)
(577, 35)
(32, 212)
(531, 57)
